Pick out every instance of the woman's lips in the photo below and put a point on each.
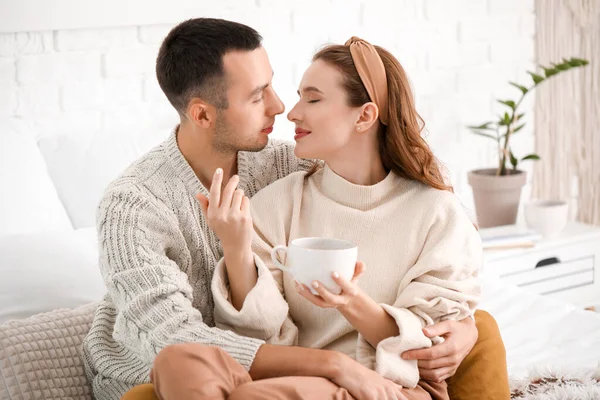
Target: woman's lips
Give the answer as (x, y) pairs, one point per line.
(300, 133)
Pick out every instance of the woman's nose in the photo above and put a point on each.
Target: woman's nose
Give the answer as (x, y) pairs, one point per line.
(293, 115)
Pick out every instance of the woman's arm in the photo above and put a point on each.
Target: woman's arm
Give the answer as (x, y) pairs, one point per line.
(227, 213)
(441, 285)
(361, 311)
(248, 290)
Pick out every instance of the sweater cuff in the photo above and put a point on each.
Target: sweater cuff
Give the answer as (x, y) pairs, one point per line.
(264, 310)
(388, 360)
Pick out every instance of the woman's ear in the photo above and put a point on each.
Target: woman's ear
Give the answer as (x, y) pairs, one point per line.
(201, 113)
(369, 115)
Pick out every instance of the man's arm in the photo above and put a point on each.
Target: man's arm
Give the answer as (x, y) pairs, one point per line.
(276, 361)
(359, 381)
(441, 361)
(153, 297)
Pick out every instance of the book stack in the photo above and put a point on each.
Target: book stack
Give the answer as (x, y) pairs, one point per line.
(508, 237)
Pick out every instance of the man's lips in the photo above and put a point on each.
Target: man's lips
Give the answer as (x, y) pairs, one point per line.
(268, 130)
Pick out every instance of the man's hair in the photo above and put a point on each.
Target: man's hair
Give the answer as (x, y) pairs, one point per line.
(190, 59)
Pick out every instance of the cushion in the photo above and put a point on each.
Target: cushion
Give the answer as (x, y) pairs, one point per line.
(29, 201)
(40, 356)
(48, 270)
(82, 166)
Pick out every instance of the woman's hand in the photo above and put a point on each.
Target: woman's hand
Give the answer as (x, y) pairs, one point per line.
(326, 299)
(228, 213)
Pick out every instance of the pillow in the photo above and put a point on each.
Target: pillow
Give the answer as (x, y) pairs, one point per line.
(82, 166)
(29, 202)
(44, 271)
(40, 357)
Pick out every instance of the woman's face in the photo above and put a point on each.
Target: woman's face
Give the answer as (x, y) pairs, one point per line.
(324, 121)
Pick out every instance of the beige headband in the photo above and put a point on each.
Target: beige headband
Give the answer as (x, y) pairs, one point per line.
(372, 73)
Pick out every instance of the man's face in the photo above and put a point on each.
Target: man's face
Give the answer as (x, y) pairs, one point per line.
(253, 104)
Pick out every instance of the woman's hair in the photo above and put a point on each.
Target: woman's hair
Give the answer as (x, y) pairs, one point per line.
(401, 146)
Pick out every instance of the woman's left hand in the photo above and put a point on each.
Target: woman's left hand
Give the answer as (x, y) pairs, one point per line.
(326, 299)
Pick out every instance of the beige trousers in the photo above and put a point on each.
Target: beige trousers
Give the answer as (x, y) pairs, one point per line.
(192, 371)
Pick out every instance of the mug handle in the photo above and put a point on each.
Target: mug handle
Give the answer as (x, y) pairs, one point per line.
(276, 261)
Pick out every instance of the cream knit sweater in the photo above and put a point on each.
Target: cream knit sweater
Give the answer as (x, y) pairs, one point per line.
(422, 255)
(157, 257)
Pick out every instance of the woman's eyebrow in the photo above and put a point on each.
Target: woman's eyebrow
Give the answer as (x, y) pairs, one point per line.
(310, 89)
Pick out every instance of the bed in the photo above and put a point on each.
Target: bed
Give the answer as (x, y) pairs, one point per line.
(48, 260)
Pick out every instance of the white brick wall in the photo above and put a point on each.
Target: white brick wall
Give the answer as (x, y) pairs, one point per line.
(459, 55)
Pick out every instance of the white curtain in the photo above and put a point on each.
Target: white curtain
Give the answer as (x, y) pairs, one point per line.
(567, 107)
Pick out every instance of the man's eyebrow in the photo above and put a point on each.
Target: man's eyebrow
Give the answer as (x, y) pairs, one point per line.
(260, 88)
(310, 89)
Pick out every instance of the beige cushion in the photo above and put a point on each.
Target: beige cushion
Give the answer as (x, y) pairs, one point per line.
(40, 356)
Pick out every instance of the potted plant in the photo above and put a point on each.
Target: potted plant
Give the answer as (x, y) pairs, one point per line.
(497, 191)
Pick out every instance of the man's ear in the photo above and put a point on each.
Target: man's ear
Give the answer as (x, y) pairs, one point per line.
(369, 115)
(201, 113)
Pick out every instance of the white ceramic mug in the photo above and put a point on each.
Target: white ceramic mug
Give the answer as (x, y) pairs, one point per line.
(316, 259)
(547, 217)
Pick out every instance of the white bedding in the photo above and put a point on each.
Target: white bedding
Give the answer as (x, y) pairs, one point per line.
(539, 331)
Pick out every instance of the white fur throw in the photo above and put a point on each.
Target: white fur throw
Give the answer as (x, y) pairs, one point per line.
(545, 384)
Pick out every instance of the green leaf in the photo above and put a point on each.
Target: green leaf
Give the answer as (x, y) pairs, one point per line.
(487, 135)
(503, 120)
(532, 156)
(550, 71)
(513, 160)
(522, 88)
(536, 78)
(519, 116)
(575, 62)
(518, 128)
(483, 126)
(508, 103)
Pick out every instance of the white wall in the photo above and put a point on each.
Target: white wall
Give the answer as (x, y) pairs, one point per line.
(458, 53)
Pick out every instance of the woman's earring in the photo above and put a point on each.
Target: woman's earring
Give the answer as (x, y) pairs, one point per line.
(358, 128)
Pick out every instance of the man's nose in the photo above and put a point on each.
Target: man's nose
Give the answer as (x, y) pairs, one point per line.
(276, 107)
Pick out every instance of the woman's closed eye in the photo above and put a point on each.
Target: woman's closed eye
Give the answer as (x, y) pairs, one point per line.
(313, 101)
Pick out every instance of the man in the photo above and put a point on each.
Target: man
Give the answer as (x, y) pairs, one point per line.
(157, 254)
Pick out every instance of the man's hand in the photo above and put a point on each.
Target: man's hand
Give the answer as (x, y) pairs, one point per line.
(364, 383)
(441, 361)
(228, 213)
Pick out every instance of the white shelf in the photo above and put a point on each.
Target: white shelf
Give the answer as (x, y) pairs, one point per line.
(567, 267)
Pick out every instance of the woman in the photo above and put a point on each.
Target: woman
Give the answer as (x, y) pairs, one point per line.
(380, 187)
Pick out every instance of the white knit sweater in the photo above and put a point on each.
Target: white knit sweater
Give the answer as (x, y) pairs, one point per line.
(157, 257)
(422, 255)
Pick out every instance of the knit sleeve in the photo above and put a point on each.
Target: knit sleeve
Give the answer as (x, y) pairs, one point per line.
(151, 294)
(265, 312)
(441, 285)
